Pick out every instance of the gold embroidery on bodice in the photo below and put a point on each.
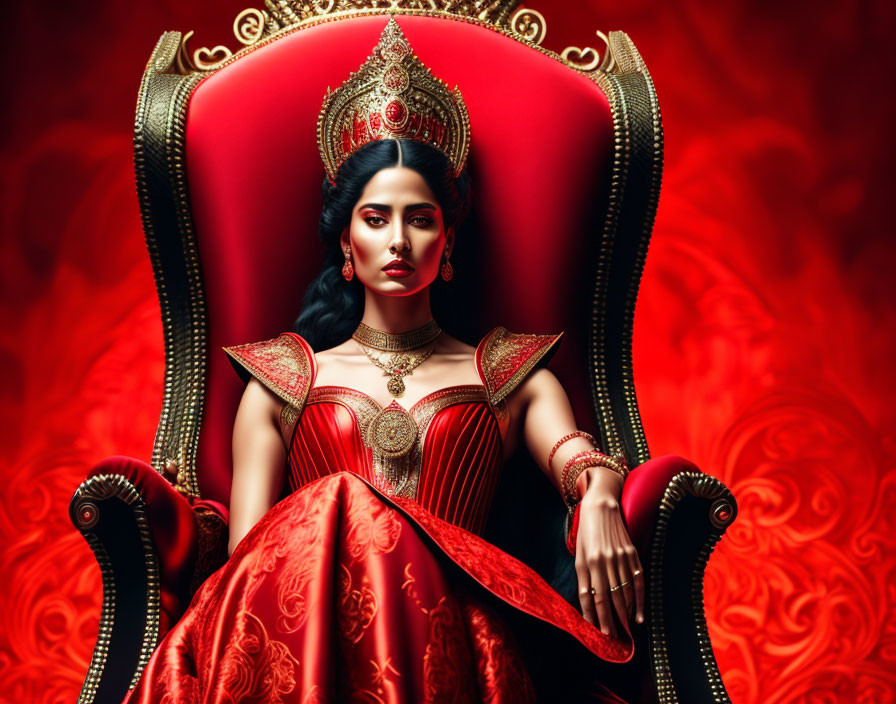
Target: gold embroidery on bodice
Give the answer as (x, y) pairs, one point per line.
(395, 436)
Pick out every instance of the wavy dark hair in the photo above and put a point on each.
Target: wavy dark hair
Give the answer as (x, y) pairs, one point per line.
(332, 307)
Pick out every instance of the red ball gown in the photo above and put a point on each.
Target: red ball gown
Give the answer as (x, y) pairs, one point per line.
(369, 581)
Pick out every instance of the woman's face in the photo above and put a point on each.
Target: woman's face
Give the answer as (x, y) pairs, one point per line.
(397, 234)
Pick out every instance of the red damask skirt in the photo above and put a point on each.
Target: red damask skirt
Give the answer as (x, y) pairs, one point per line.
(343, 594)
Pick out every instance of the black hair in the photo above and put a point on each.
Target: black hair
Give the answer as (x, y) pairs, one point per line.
(332, 307)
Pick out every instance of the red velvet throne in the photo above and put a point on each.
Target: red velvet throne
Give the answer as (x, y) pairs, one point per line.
(566, 163)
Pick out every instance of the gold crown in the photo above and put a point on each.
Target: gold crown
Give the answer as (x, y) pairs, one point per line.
(392, 96)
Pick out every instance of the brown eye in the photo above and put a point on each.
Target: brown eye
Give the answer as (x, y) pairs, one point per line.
(378, 220)
(421, 221)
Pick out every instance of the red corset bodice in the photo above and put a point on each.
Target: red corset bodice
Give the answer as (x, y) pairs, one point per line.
(451, 471)
(445, 452)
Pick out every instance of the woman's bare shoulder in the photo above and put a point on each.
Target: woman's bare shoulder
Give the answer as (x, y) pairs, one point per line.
(258, 400)
(346, 349)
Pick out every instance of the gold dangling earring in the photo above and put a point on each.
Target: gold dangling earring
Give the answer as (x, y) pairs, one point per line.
(348, 271)
(447, 271)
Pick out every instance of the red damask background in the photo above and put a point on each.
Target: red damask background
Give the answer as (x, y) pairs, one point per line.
(764, 339)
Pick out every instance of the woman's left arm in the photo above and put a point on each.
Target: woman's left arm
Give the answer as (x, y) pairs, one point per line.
(606, 560)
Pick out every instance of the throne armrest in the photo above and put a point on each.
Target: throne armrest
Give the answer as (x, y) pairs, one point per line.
(154, 547)
(676, 514)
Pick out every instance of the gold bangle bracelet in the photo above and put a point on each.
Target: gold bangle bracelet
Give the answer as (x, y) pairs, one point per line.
(574, 466)
(577, 464)
(565, 438)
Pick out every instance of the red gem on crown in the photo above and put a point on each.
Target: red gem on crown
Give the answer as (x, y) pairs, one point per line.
(395, 112)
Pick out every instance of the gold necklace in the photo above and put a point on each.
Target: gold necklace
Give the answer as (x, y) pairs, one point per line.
(397, 366)
(389, 342)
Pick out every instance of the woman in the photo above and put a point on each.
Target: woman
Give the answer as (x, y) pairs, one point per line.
(369, 582)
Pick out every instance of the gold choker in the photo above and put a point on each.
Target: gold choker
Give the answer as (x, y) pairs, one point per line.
(388, 342)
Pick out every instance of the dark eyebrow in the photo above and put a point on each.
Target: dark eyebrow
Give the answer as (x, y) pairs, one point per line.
(388, 208)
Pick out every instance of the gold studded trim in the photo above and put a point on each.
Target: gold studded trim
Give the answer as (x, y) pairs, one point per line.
(722, 512)
(159, 134)
(285, 365)
(504, 359)
(84, 511)
(634, 193)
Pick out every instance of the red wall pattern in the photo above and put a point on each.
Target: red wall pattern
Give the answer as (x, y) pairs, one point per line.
(764, 339)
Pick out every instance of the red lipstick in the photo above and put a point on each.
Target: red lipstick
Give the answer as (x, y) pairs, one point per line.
(398, 269)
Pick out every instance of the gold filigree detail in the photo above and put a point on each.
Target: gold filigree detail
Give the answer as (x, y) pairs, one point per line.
(284, 366)
(424, 411)
(281, 364)
(392, 431)
(289, 414)
(507, 358)
(364, 407)
(397, 342)
(252, 26)
(285, 13)
(248, 27)
(529, 24)
(396, 474)
(393, 95)
(638, 141)
(397, 365)
(589, 58)
(202, 59)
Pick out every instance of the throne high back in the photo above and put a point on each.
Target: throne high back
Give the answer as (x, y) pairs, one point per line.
(566, 161)
(565, 174)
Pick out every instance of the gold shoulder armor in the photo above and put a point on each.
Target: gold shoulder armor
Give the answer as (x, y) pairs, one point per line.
(504, 359)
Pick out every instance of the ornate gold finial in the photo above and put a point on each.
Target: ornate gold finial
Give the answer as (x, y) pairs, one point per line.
(255, 26)
(392, 96)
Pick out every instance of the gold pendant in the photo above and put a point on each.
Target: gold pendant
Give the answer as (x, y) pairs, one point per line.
(392, 431)
(396, 386)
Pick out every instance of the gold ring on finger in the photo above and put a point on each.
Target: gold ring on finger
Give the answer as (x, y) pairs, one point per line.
(593, 590)
(620, 585)
(636, 573)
